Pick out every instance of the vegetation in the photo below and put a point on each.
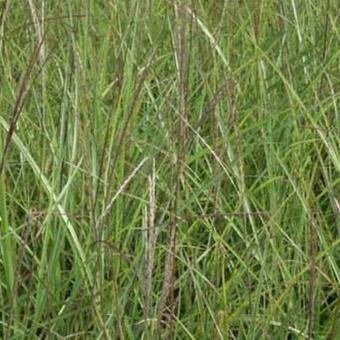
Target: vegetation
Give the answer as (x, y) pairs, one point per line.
(169, 169)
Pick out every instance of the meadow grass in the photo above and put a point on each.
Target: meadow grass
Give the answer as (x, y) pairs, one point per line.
(169, 169)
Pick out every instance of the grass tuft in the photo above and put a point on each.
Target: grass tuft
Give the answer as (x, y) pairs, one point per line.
(169, 169)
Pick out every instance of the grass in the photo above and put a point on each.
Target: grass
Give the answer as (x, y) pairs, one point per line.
(170, 169)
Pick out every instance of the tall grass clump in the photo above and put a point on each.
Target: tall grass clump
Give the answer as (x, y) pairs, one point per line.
(169, 169)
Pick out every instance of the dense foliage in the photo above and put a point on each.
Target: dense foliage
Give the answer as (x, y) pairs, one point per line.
(169, 169)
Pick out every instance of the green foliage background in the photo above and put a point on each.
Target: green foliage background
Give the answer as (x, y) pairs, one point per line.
(192, 146)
